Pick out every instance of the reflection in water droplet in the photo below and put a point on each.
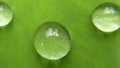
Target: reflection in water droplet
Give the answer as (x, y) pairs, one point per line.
(52, 41)
(106, 17)
(6, 14)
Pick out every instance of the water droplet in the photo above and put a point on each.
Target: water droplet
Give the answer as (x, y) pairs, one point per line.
(106, 17)
(6, 14)
(52, 41)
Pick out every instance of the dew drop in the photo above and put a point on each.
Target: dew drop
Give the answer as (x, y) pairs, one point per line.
(106, 17)
(6, 14)
(52, 41)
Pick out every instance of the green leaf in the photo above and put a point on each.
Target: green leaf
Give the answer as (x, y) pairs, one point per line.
(91, 48)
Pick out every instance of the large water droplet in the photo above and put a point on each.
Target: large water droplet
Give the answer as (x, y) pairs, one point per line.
(52, 41)
(6, 14)
(106, 17)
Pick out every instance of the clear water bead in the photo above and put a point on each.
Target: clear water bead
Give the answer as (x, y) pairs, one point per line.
(106, 17)
(52, 41)
(6, 14)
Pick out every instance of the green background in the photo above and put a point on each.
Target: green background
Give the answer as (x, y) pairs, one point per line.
(91, 48)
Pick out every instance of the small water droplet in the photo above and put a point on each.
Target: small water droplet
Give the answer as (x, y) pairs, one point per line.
(6, 14)
(106, 17)
(52, 41)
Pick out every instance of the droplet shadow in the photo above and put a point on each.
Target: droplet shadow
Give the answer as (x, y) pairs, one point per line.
(45, 63)
(7, 27)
